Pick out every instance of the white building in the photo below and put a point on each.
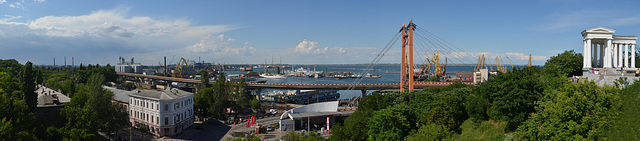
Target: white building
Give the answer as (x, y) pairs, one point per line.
(602, 49)
(129, 67)
(165, 113)
(312, 116)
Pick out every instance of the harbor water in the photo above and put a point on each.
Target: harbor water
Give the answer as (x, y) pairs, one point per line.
(390, 73)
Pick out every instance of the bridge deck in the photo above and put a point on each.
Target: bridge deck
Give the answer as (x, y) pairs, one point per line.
(376, 86)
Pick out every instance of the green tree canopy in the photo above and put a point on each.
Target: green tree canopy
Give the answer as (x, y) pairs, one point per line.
(581, 111)
(392, 124)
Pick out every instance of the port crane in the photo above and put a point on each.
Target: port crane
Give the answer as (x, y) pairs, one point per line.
(177, 71)
(481, 63)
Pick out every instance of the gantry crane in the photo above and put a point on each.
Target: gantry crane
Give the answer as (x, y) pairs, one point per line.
(177, 72)
(500, 65)
(510, 62)
(481, 63)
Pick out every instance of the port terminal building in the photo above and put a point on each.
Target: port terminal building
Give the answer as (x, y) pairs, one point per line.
(313, 116)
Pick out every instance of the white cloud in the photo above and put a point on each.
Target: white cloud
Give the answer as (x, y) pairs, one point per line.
(39, 1)
(307, 47)
(3, 1)
(16, 5)
(115, 24)
(219, 46)
(104, 35)
(522, 56)
(8, 18)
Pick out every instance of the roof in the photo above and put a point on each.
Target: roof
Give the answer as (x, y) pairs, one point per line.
(46, 96)
(169, 94)
(118, 94)
(311, 110)
(312, 114)
(598, 30)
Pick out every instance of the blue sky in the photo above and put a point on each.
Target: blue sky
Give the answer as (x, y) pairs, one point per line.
(301, 32)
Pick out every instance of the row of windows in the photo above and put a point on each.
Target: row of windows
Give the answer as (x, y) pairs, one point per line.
(183, 103)
(145, 117)
(145, 104)
(183, 116)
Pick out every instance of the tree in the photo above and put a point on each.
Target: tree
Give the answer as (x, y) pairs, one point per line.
(430, 132)
(90, 109)
(393, 123)
(581, 111)
(29, 86)
(203, 102)
(568, 63)
(511, 96)
(204, 79)
(442, 108)
(255, 104)
(627, 126)
(354, 128)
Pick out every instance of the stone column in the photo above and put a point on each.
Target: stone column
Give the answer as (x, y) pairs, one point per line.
(594, 54)
(584, 53)
(633, 55)
(601, 57)
(626, 55)
(608, 54)
(619, 55)
(589, 52)
(615, 56)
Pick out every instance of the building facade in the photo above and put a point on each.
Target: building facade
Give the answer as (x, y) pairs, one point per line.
(163, 113)
(602, 49)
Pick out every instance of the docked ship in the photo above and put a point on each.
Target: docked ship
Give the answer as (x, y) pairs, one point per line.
(273, 76)
(247, 78)
(303, 72)
(301, 96)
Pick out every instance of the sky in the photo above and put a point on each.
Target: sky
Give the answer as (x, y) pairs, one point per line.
(298, 31)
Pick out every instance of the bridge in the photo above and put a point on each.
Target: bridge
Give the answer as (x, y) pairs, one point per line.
(253, 85)
(428, 43)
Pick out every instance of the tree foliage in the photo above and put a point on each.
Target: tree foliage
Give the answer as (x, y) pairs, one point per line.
(567, 64)
(430, 132)
(580, 111)
(212, 101)
(27, 79)
(393, 123)
(91, 109)
(510, 96)
(627, 126)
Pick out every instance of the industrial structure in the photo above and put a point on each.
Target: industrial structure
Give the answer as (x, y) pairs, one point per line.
(128, 67)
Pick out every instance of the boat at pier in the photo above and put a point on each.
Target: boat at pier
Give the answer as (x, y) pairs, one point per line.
(273, 76)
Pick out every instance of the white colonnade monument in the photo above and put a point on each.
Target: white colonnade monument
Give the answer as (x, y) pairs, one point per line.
(602, 49)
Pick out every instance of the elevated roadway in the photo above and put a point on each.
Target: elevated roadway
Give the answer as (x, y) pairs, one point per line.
(376, 86)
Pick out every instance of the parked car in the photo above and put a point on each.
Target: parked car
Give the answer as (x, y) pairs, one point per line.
(269, 128)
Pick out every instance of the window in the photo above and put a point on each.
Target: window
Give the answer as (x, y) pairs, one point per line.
(157, 120)
(158, 106)
(166, 107)
(166, 120)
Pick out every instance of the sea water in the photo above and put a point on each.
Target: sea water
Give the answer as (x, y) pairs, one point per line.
(390, 74)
